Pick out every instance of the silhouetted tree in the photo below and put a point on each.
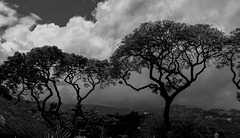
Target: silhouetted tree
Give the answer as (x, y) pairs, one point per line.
(33, 74)
(40, 71)
(230, 56)
(83, 75)
(174, 53)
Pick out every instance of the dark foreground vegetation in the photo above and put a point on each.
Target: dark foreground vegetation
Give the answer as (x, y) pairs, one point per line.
(174, 55)
(24, 121)
(18, 122)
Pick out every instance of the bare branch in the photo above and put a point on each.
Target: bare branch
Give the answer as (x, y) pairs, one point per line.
(93, 86)
(136, 89)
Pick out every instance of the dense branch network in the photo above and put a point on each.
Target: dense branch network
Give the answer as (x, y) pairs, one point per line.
(174, 53)
(171, 51)
(39, 73)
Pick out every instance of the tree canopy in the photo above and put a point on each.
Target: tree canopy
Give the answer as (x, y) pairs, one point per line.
(33, 74)
(174, 53)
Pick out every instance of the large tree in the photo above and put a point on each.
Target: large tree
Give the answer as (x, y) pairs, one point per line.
(174, 53)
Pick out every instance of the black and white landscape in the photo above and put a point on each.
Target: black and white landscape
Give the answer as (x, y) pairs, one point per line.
(119, 68)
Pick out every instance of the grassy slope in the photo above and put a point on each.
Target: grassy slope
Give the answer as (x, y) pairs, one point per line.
(18, 122)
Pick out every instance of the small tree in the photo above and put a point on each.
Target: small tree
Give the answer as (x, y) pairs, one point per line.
(83, 75)
(174, 53)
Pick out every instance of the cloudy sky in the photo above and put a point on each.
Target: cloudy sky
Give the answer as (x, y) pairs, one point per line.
(93, 28)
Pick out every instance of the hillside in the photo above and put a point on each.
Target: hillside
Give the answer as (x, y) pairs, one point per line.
(104, 109)
(18, 122)
(226, 123)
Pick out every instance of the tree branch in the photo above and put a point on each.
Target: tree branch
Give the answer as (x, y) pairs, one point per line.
(93, 83)
(136, 89)
(197, 74)
(36, 99)
(49, 96)
(76, 88)
(234, 73)
(20, 93)
(58, 95)
(151, 73)
(170, 82)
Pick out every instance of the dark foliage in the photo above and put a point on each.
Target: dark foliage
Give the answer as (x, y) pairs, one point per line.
(19, 123)
(4, 92)
(128, 124)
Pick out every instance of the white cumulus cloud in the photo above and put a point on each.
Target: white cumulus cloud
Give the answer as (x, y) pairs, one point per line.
(114, 20)
(7, 15)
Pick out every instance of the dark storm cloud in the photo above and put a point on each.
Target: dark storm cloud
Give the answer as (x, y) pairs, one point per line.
(55, 11)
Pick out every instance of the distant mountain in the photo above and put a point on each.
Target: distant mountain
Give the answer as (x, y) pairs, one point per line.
(222, 121)
(104, 109)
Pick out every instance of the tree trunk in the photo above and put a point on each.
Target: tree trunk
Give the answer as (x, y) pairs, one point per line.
(77, 112)
(74, 120)
(167, 123)
(166, 118)
(74, 123)
(80, 111)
